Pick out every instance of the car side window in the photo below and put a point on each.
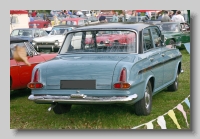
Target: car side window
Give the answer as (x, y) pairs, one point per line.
(147, 41)
(156, 37)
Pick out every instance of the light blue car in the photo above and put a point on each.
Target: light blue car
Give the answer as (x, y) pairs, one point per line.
(109, 63)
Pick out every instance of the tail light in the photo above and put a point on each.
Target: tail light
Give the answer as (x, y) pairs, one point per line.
(35, 84)
(122, 84)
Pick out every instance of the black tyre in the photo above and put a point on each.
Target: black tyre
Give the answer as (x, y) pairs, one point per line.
(174, 86)
(143, 106)
(62, 108)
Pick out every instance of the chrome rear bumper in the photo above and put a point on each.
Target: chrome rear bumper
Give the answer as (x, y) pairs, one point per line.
(85, 100)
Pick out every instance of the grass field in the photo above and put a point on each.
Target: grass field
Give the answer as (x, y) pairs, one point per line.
(25, 114)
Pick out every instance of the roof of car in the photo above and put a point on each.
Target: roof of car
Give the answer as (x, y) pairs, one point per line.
(26, 28)
(17, 40)
(135, 26)
(65, 26)
(169, 23)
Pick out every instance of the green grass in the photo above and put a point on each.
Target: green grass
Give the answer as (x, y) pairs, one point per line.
(25, 114)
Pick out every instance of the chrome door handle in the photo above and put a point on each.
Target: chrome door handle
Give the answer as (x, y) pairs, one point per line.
(162, 55)
(151, 59)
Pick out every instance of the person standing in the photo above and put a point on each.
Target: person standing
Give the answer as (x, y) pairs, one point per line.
(102, 18)
(178, 17)
(34, 13)
(166, 17)
(31, 18)
(115, 17)
(171, 14)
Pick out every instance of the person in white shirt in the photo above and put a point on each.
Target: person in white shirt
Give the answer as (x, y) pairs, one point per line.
(178, 17)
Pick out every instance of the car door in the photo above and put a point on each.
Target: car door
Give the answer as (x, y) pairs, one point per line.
(169, 64)
(152, 48)
(25, 71)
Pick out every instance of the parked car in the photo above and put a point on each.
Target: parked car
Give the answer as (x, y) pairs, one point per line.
(87, 12)
(175, 33)
(20, 73)
(135, 18)
(39, 24)
(90, 19)
(128, 71)
(74, 21)
(53, 41)
(28, 33)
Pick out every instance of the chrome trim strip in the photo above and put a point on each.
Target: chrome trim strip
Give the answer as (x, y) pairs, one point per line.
(85, 100)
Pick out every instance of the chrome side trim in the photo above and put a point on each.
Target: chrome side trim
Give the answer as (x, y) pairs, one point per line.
(84, 100)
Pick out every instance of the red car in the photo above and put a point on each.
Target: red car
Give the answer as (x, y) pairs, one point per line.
(20, 73)
(107, 38)
(39, 24)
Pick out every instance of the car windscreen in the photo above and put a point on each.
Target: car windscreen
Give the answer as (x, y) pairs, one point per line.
(106, 41)
(59, 31)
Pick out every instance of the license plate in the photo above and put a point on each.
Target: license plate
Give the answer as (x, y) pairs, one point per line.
(78, 84)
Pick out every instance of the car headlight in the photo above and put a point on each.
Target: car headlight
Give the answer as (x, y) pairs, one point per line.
(107, 41)
(56, 43)
(34, 43)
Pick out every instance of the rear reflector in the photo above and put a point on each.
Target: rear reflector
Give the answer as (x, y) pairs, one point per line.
(36, 76)
(35, 85)
(122, 85)
(123, 75)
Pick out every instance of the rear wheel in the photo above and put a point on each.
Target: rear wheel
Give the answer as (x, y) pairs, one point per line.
(143, 106)
(174, 86)
(61, 108)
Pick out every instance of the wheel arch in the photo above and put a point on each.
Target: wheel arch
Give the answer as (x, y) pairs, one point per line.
(179, 67)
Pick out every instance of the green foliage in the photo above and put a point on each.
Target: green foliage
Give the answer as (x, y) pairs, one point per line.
(25, 114)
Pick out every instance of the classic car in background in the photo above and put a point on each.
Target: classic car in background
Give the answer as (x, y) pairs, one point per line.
(74, 21)
(39, 24)
(175, 33)
(53, 41)
(28, 33)
(88, 72)
(20, 73)
(135, 19)
(90, 19)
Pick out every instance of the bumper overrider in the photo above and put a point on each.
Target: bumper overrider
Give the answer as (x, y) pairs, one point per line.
(81, 99)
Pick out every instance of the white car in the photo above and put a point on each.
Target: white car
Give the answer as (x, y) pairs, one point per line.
(53, 41)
